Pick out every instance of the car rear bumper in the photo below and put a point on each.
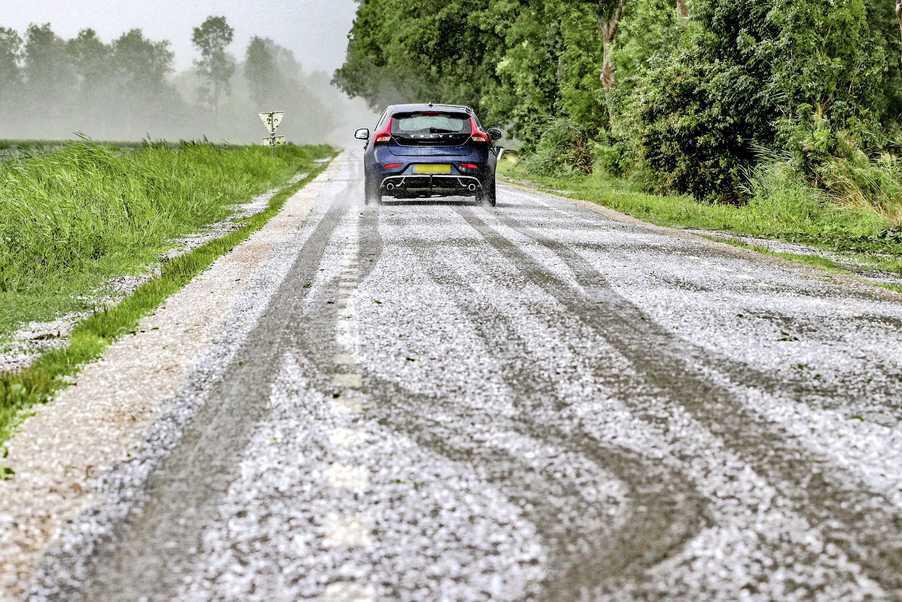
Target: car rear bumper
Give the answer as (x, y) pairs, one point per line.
(445, 185)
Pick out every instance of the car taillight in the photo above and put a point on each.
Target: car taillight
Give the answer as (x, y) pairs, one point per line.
(477, 135)
(393, 165)
(384, 135)
(468, 166)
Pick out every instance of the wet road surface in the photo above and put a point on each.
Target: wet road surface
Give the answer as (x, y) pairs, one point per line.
(534, 402)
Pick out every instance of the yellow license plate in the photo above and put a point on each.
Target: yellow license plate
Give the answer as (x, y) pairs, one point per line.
(431, 169)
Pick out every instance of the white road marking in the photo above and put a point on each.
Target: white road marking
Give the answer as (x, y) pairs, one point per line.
(352, 530)
(353, 478)
(353, 381)
(348, 403)
(348, 406)
(347, 340)
(348, 592)
(344, 359)
(346, 438)
(347, 531)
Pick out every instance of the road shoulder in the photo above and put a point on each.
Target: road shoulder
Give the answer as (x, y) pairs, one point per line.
(821, 270)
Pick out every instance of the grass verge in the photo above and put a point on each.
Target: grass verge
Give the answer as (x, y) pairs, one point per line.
(816, 261)
(781, 208)
(823, 263)
(73, 219)
(51, 372)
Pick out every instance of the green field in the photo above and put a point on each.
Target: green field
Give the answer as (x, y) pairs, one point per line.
(79, 214)
(25, 149)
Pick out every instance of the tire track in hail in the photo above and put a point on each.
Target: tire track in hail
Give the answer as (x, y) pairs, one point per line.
(656, 492)
(147, 555)
(790, 385)
(399, 410)
(413, 415)
(665, 510)
(856, 521)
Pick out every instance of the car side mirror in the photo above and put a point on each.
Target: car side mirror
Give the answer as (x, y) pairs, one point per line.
(362, 134)
(495, 133)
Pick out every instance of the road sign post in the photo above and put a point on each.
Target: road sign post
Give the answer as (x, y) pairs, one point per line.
(271, 121)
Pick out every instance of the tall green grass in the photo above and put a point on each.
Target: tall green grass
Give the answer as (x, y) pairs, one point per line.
(24, 149)
(18, 149)
(861, 182)
(74, 218)
(40, 381)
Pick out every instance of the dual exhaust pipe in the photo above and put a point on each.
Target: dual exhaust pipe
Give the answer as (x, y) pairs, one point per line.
(390, 187)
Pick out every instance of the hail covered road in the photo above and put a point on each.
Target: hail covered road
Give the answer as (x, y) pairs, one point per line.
(535, 402)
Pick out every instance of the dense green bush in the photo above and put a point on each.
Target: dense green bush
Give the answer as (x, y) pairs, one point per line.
(690, 133)
(743, 74)
(611, 157)
(564, 148)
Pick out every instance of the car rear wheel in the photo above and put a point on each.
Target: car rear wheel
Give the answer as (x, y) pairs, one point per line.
(373, 194)
(489, 196)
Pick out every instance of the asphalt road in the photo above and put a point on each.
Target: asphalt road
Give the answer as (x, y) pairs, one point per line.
(534, 402)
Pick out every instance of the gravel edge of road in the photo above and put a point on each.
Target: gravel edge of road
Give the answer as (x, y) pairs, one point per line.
(62, 452)
(845, 278)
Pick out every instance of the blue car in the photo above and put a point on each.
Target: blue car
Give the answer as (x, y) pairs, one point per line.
(430, 150)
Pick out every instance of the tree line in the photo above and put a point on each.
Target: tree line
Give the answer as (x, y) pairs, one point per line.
(679, 95)
(128, 88)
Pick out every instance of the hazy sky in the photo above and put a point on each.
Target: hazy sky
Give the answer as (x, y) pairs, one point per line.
(315, 29)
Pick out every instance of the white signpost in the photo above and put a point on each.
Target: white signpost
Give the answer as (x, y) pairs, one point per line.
(272, 121)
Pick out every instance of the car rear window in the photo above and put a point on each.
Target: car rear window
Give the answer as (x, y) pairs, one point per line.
(416, 124)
